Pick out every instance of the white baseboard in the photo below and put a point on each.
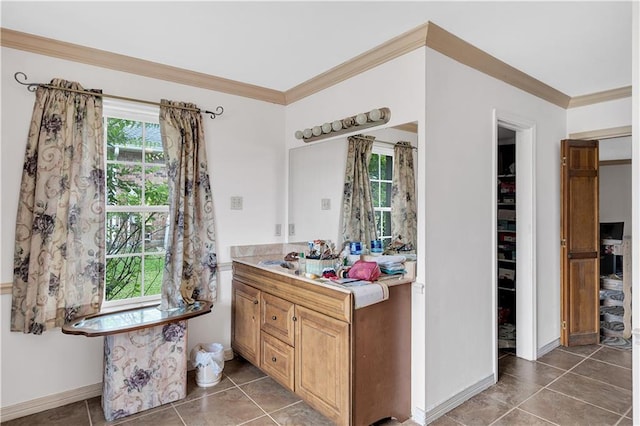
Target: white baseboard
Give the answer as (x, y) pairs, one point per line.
(548, 348)
(48, 402)
(418, 415)
(63, 398)
(451, 403)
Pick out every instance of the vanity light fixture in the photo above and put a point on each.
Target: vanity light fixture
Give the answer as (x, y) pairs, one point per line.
(364, 120)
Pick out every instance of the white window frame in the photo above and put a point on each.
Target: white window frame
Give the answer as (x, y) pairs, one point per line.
(135, 112)
(382, 149)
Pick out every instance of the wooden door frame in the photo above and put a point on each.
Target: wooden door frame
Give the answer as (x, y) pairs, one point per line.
(526, 300)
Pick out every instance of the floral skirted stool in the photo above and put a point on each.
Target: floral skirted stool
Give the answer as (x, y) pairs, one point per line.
(144, 369)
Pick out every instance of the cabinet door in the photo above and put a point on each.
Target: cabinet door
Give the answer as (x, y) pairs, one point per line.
(245, 318)
(322, 363)
(277, 314)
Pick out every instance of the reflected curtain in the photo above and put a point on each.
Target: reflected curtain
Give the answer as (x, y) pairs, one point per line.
(358, 218)
(59, 258)
(190, 263)
(404, 219)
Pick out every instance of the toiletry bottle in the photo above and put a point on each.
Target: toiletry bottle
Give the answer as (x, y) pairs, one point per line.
(302, 263)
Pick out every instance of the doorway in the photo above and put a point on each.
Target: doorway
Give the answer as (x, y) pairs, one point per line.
(522, 134)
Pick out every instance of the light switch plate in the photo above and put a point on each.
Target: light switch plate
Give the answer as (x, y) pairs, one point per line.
(292, 229)
(325, 203)
(236, 203)
(278, 229)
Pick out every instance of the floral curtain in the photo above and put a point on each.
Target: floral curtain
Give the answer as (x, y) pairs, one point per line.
(358, 218)
(190, 264)
(404, 220)
(59, 258)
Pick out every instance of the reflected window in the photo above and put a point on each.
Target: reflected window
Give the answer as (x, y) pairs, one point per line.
(381, 176)
(137, 211)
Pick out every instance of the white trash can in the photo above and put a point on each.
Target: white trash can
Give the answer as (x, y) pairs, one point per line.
(208, 359)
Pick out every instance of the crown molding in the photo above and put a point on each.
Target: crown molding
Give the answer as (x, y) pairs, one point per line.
(605, 96)
(429, 34)
(407, 127)
(457, 49)
(104, 59)
(396, 47)
(612, 132)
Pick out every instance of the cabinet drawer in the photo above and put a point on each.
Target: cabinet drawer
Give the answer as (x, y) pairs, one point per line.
(277, 318)
(277, 360)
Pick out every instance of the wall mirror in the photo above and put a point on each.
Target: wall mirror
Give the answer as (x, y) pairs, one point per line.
(316, 181)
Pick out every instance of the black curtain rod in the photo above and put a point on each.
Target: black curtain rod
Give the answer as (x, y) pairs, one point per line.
(32, 88)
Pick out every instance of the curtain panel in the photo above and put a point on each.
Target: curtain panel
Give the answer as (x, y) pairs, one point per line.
(358, 217)
(191, 262)
(404, 219)
(59, 258)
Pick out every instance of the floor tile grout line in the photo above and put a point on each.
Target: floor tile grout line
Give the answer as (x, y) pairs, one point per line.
(86, 404)
(602, 381)
(178, 414)
(258, 405)
(586, 402)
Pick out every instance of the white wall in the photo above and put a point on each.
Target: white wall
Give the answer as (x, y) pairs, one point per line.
(243, 146)
(399, 85)
(615, 195)
(460, 180)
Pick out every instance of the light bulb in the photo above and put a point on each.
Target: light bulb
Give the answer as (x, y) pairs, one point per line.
(317, 130)
(336, 125)
(347, 122)
(375, 115)
(299, 134)
(307, 133)
(326, 128)
(361, 119)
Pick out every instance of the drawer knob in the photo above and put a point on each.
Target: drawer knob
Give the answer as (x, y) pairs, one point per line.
(274, 318)
(255, 302)
(273, 359)
(294, 318)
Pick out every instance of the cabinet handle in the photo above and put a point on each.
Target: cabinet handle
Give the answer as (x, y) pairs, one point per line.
(273, 359)
(294, 318)
(255, 302)
(274, 318)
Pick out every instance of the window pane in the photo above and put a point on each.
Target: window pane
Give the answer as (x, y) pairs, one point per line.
(386, 223)
(378, 219)
(153, 268)
(124, 185)
(386, 167)
(385, 196)
(124, 233)
(155, 232)
(125, 136)
(375, 194)
(156, 186)
(123, 278)
(374, 167)
(153, 144)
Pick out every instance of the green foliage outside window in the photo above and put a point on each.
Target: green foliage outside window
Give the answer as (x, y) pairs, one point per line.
(136, 177)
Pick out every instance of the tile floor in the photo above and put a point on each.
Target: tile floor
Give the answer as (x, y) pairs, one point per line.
(587, 385)
(244, 396)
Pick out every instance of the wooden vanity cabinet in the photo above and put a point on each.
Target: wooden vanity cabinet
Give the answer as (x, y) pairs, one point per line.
(353, 366)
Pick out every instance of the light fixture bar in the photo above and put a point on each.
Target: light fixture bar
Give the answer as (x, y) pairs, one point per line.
(364, 120)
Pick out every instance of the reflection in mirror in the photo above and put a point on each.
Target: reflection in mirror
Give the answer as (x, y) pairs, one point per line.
(316, 184)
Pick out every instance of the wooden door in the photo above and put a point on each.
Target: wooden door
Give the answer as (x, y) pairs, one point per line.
(245, 321)
(322, 363)
(580, 245)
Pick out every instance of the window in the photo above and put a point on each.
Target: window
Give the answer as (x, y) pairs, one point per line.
(381, 176)
(137, 210)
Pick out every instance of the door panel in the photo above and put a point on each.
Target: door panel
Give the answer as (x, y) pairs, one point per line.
(580, 246)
